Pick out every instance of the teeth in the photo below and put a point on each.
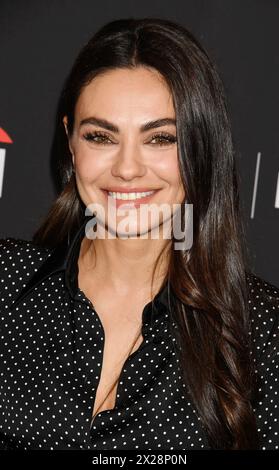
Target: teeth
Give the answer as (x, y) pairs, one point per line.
(129, 196)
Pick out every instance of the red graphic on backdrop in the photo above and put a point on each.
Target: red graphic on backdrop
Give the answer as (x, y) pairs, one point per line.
(4, 139)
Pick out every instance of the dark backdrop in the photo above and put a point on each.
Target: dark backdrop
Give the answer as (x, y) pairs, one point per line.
(39, 41)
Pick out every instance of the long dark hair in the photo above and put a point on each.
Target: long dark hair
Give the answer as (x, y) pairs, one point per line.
(208, 281)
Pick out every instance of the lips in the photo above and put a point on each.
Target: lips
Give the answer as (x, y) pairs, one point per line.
(134, 203)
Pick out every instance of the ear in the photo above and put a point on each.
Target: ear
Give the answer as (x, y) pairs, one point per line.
(65, 122)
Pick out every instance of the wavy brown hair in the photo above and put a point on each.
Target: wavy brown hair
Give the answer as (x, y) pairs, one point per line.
(208, 281)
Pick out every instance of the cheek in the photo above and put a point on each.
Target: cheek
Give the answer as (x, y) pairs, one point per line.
(88, 168)
(175, 180)
(171, 171)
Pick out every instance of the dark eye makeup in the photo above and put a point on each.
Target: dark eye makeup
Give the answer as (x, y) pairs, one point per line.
(164, 137)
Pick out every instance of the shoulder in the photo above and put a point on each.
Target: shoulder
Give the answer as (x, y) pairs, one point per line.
(263, 301)
(16, 252)
(19, 259)
(261, 290)
(264, 314)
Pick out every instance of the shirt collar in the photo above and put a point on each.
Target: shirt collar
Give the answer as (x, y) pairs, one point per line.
(64, 258)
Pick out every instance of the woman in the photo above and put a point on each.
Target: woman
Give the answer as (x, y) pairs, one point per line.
(129, 343)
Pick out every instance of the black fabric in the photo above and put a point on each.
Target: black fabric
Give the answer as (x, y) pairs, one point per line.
(51, 351)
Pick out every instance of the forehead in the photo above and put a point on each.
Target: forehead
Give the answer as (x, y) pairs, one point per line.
(126, 92)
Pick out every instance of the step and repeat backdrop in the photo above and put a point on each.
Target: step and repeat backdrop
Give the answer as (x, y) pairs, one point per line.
(39, 41)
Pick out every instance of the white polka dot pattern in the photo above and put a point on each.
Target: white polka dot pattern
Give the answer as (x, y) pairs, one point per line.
(51, 346)
(264, 308)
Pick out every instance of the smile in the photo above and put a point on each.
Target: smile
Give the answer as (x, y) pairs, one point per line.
(133, 200)
(130, 196)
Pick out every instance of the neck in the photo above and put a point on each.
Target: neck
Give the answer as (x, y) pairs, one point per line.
(126, 265)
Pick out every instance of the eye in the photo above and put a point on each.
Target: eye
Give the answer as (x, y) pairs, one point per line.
(165, 138)
(102, 138)
(92, 136)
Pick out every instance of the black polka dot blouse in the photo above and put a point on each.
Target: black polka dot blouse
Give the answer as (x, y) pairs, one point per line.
(51, 346)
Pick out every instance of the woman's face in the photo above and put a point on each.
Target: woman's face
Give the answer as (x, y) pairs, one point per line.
(118, 155)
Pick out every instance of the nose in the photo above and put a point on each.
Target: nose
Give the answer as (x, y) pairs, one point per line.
(128, 163)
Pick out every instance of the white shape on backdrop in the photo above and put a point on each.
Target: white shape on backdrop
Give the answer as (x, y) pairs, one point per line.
(255, 185)
(2, 166)
(276, 205)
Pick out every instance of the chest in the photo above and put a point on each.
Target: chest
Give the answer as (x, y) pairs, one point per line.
(121, 320)
(53, 378)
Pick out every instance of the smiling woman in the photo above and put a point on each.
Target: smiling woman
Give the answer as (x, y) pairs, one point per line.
(129, 159)
(120, 342)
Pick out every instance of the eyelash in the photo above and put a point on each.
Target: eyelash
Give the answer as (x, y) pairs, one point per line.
(169, 139)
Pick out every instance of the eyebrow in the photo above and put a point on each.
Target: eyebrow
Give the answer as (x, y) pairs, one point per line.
(113, 127)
